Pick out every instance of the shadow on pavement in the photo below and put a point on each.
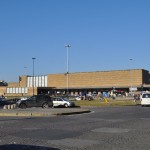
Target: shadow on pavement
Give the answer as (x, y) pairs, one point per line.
(24, 147)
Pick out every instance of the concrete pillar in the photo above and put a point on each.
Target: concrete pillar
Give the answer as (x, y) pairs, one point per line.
(76, 93)
(11, 106)
(14, 106)
(5, 107)
(8, 106)
(72, 93)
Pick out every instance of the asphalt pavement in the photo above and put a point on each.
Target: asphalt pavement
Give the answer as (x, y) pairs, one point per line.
(105, 128)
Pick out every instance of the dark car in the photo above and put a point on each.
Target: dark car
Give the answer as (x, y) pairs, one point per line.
(4, 102)
(43, 101)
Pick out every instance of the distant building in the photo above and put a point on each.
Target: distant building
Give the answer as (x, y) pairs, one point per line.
(87, 82)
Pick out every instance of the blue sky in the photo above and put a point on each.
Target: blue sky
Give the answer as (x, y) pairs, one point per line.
(103, 34)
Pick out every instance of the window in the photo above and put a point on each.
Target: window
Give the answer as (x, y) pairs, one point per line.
(17, 90)
(146, 95)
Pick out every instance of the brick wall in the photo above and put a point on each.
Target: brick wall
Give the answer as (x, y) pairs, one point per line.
(23, 81)
(2, 90)
(13, 84)
(97, 79)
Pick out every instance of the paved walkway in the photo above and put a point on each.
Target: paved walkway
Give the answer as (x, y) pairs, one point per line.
(37, 112)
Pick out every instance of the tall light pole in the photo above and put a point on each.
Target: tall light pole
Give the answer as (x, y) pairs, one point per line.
(67, 46)
(131, 74)
(33, 75)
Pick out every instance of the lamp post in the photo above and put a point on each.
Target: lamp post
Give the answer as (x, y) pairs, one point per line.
(67, 74)
(33, 75)
(131, 74)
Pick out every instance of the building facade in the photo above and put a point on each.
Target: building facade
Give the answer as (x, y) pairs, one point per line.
(127, 80)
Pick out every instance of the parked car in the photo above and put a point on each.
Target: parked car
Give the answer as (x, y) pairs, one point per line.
(145, 99)
(4, 102)
(78, 98)
(58, 101)
(43, 101)
(87, 97)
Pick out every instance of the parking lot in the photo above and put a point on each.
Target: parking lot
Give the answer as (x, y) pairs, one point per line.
(115, 128)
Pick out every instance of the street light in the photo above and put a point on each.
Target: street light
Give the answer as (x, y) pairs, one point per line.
(33, 75)
(67, 74)
(131, 75)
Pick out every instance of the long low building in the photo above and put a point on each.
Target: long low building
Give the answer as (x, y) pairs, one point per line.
(75, 83)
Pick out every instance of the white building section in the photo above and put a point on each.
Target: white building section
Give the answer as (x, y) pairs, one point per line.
(38, 81)
(22, 90)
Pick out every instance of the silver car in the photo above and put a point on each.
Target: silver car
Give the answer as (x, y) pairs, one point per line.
(58, 101)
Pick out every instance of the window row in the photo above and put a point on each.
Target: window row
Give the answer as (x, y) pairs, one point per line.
(38, 81)
(17, 90)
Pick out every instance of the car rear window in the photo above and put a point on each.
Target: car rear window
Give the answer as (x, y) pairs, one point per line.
(146, 96)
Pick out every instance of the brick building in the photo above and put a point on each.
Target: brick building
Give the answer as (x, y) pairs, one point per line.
(78, 82)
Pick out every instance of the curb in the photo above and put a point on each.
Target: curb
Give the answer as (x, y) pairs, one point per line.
(40, 114)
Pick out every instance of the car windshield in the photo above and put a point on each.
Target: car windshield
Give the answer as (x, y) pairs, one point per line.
(65, 99)
(146, 95)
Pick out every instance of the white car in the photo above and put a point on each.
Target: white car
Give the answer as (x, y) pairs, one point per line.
(78, 98)
(145, 99)
(58, 101)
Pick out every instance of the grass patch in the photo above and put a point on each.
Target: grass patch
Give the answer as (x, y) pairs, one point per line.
(100, 103)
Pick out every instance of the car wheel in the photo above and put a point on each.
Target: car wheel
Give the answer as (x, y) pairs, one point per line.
(66, 105)
(23, 106)
(45, 105)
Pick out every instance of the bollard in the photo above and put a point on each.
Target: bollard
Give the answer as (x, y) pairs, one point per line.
(8, 107)
(11, 106)
(5, 107)
(14, 106)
